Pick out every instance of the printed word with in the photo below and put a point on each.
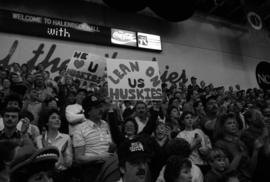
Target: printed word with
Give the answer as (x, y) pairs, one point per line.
(58, 32)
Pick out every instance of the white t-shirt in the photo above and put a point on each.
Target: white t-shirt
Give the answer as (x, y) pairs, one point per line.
(189, 137)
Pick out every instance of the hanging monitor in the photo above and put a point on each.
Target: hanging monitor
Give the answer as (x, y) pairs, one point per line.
(149, 41)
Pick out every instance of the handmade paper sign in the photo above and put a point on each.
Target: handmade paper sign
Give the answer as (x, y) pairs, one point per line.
(133, 80)
(86, 67)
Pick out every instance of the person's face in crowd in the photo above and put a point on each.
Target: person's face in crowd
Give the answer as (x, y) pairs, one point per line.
(266, 113)
(129, 128)
(212, 106)
(52, 104)
(257, 119)
(73, 88)
(80, 96)
(231, 126)
(68, 80)
(164, 97)
(136, 171)
(237, 86)
(251, 93)
(30, 78)
(199, 107)
(239, 106)
(207, 90)
(156, 105)
(175, 103)
(40, 68)
(3, 74)
(178, 95)
(195, 95)
(40, 177)
(16, 67)
(24, 68)
(34, 94)
(183, 100)
(13, 103)
(71, 98)
(127, 103)
(202, 84)
(221, 91)
(267, 103)
(174, 113)
(54, 121)
(188, 121)
(160, 131)
(15, 78)
(219, 164)
(211, 87)
(261, 95)
(184, 175)
(193, 81)
(62, 72)
(141, 109)
(249, 105)
(96, 112)
(6, 83)
(39, 81)
(182, 86)
(10, 119)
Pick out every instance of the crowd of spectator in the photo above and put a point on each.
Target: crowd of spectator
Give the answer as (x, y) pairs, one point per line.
(197, 132)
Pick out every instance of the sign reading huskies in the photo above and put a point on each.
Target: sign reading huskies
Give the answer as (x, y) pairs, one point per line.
(133, 80)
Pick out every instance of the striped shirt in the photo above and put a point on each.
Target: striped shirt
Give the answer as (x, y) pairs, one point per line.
(95, 138)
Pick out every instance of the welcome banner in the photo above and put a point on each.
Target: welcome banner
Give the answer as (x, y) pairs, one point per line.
(133, 80)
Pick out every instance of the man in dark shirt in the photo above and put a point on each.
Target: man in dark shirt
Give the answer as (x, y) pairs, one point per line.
(10, 120)
(193, 85)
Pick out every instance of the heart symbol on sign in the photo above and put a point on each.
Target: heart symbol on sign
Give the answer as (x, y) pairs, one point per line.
(78, 63)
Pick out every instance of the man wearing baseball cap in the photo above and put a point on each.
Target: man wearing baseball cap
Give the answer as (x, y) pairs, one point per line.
(134, 159)
(92, 141)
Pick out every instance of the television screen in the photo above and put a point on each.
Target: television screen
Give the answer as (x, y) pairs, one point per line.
(123, 37)
(149, 41)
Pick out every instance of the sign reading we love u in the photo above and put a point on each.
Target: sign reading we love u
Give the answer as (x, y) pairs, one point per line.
(86, 67)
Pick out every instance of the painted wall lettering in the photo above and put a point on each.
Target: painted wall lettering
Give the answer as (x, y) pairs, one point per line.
(56, 62)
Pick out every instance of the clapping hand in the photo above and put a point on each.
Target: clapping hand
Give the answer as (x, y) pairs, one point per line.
(25, 124)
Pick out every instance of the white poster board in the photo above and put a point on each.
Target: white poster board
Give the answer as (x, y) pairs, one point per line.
(133, 80)
(86, 67)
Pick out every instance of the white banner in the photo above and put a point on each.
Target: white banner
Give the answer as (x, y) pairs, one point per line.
(133, 80)
(86, 67)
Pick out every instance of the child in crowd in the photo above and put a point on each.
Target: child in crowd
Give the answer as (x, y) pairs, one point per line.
(219, 163)
(199, 142)
(178, 170)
